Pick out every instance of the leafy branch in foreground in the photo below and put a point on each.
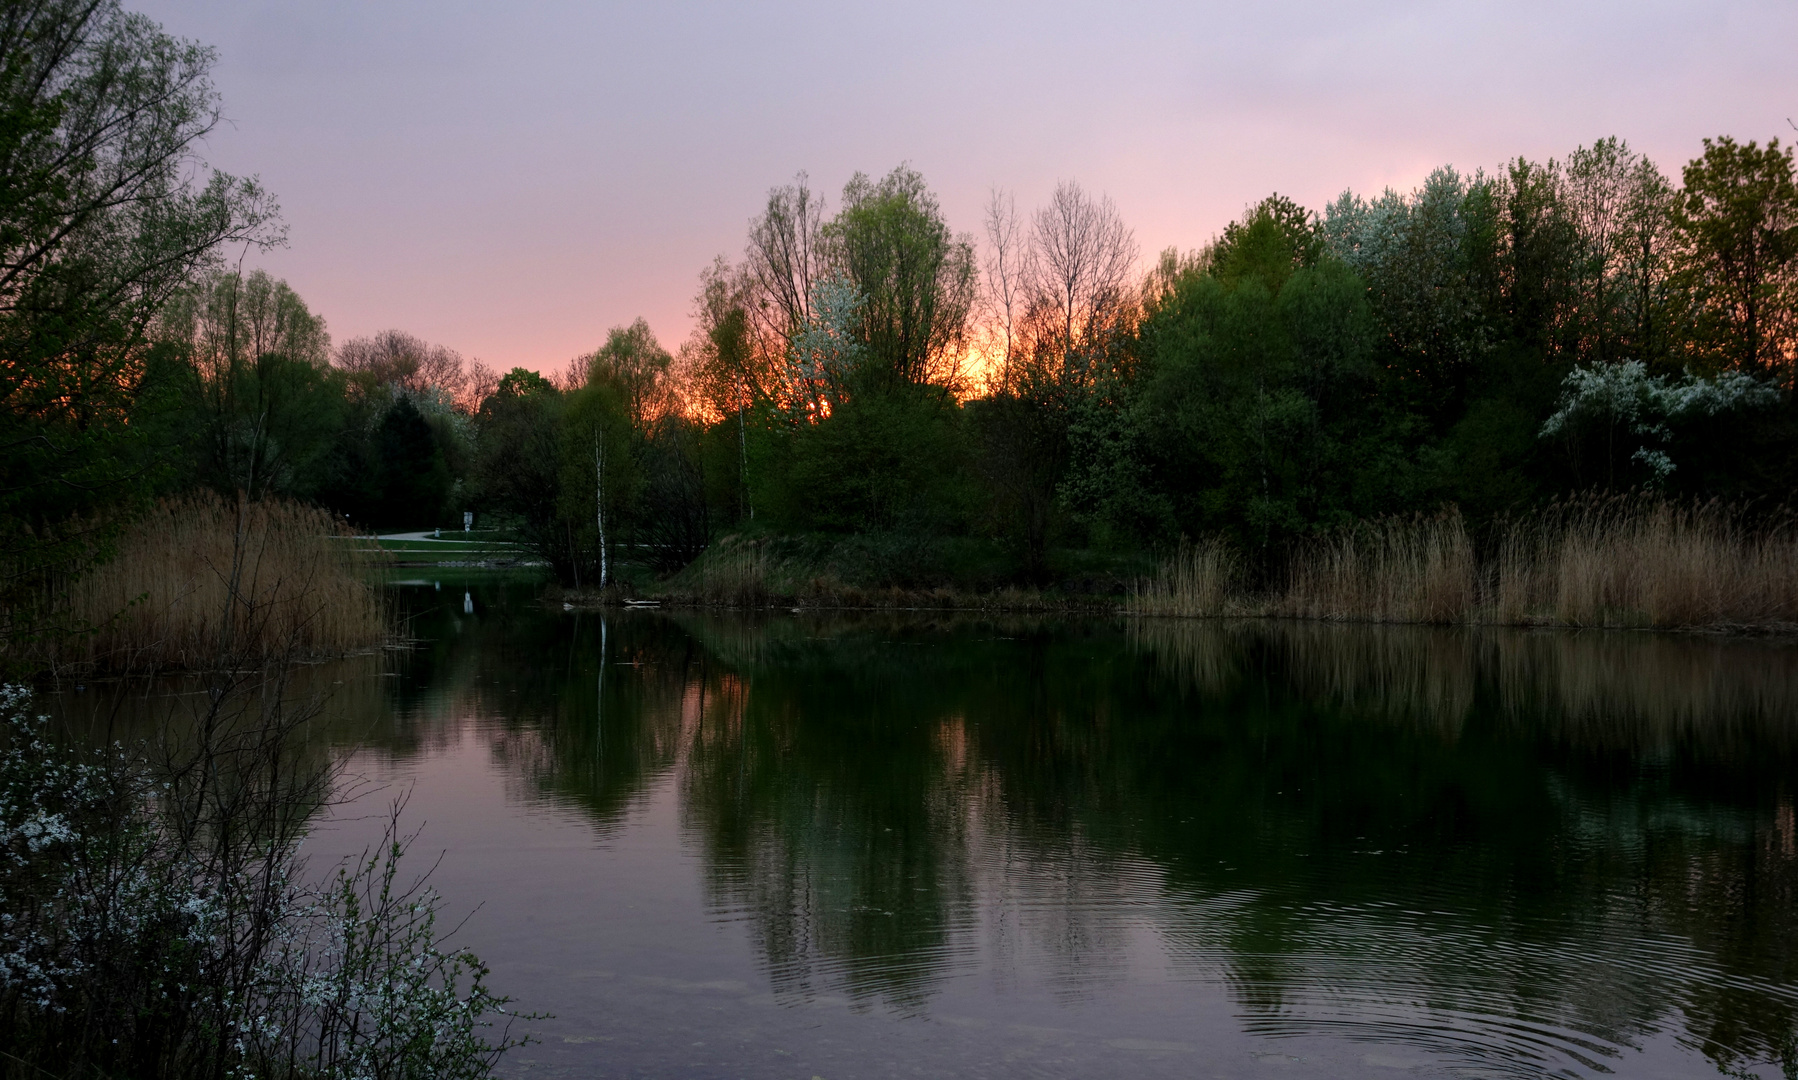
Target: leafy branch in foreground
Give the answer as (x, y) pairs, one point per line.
(107, 211)
(155, 921)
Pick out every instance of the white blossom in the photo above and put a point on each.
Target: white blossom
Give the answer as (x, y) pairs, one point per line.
(1648, 406)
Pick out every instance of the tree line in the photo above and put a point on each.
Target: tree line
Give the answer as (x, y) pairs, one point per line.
(1493, 340)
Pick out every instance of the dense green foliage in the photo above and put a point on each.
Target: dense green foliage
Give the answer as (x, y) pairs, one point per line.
(1490, 341)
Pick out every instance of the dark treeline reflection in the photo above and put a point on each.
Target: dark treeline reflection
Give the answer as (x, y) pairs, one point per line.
(1532, 850)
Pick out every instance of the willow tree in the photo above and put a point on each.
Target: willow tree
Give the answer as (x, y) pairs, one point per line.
(863, 427)
(787, 254)
(106, 212)
(1069, 277)
(916, 279)
(262, 400)
(402, 361)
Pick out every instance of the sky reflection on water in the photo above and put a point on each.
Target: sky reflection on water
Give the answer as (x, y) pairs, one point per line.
(884, 845)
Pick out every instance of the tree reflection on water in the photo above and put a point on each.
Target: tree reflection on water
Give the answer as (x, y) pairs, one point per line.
(1525, 849)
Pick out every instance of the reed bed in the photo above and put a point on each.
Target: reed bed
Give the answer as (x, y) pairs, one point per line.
(1412, 570)
(1198, 579)
(736, 574)
(1634, 561)
(201, 582)
(1645, 562)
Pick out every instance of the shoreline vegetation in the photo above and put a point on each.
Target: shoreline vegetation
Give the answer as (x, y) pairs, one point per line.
(1630, 562)
(202, 583)
(1634, 562)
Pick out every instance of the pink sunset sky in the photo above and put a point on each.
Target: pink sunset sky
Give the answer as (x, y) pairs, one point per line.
(511, 179)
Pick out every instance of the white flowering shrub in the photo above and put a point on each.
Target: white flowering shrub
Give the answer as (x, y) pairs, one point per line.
(380, 996)
(824, 352)
(1626, 397)
(132, 945)
(78, 880)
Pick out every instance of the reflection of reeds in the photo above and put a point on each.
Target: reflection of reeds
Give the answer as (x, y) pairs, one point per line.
(1626, 562)
(199, 581)
(1197, 656)
(1421, 674)
(1617, 687)
(1607, 688)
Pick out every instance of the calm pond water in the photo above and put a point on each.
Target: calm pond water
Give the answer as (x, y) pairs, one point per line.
(890, 846)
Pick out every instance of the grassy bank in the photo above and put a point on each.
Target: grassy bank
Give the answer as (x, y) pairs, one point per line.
(887, 572)
(1637, 562)
(484, 549)
(201, 581)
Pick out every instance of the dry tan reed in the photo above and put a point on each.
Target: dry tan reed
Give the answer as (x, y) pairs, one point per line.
(1417, 569)
(201, 582)
(1645, 562)
(1636, 561)
(735, 573)
(1198, 579)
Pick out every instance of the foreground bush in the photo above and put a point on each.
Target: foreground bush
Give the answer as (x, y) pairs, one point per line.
(155, 920)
